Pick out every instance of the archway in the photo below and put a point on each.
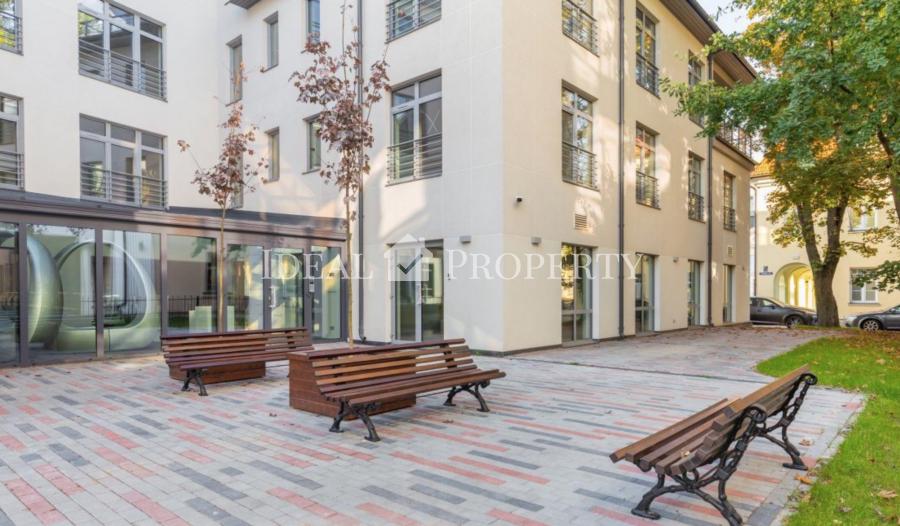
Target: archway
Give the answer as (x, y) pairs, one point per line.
(794, 286)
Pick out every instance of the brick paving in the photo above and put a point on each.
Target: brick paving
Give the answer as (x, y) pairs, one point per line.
(116, 443)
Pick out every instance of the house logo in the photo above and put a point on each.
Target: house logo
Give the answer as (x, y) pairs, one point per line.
(406, 260)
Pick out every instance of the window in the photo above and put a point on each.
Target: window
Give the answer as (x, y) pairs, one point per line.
(313, 22)
(728, 298)
(646, 74)
(694, 275)
(644, 294)
(11, 158)
(579, 164)
(860, 221)
(10, 26)
(416, 143)
(575, 276)
(579, 24)
(274, 156)
(695, 77)
(645, 166)
(695, 187)
(313, 145)
(236, 65)
(272, 41)
(121, 47)
(404, 16)
(866, 293)
(121, 164)
(729, 214)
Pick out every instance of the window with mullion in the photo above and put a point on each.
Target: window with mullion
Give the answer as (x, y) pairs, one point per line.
(695, 187)
(416, 134)
(865, 293)
(578, 138)
(645, 167)
(645, 47)
(695, 77)
(272, 41)
(10, 141)
(729, 202)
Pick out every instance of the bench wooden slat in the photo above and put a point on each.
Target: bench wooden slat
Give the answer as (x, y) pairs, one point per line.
(391, 372)
(412, 380)
(333, 353)
(741, 404)
(402, 393)
(389, 363)
(328, 390)
(202, 337)
(276, 346)
(378, 355)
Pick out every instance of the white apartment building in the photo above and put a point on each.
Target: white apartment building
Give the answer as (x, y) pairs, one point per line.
(511, 132)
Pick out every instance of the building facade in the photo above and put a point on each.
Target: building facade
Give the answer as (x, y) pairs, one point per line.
(784, 274)
(509, 134)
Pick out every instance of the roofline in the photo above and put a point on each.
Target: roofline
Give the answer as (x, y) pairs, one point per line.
(714, 28)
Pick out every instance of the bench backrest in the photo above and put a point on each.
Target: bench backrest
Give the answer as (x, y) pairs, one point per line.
(200, 347)
(343, 369)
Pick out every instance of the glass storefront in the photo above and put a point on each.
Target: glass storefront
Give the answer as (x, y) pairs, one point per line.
(192, 284)
(131, 283)
(9, 294)
(287, 272)
(326, 310)
(244, 288)
(576, 293)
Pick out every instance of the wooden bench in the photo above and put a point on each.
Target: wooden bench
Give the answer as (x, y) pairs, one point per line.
(197, 354)
(360, 380)
(714, 441)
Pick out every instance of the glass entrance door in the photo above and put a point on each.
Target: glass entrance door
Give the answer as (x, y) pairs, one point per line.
(286, 289)
(644, 286)
(418, 276)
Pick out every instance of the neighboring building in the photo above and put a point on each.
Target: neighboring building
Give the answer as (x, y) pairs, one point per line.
(783, 273)
(106, 244)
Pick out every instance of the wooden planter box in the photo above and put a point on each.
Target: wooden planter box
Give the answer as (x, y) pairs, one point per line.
(305, 395)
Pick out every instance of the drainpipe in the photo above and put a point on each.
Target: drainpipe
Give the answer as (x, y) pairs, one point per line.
(709, 213)
(361, 203)
(621, 168)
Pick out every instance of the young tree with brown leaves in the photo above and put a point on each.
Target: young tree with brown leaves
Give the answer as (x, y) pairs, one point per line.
(337, 84)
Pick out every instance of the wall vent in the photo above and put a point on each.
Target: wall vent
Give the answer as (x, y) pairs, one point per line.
(729, 251)
(581, 222)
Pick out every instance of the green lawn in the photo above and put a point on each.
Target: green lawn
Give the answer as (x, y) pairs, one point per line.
(861, 484)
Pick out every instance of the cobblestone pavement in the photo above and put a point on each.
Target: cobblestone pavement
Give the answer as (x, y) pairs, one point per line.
(116, 443)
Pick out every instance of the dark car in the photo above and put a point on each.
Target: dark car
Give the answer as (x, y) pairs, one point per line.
(766, 311)
(888, 319)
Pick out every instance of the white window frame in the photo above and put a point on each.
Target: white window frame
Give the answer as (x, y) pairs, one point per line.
(695, 77)
(312, 123)
(20, 137)
(311, 33)
(864, 291)
(273, 138)
(861, 222)
(235, 78)
(271, 40)
(416, 104)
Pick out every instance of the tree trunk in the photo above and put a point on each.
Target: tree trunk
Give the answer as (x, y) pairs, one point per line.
(349, 266)
(823, 268)
(826, 305)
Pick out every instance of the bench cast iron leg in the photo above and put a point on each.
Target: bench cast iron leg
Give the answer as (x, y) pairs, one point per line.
(472, 389)
(187, 382)
(198, 379)
(342, 413)
(643, 507)
(788, 414)
(362, 412)
(453, 392)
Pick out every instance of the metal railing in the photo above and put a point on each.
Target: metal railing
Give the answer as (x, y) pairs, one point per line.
(730, 219)
(647, 190)
(123, 188)
(416, 159)
(647, 74)
(578, 25)
(11, 169)
(120, 70)
(10, 32)
(695, 206)
(405, 16)
(579, 166)
(737, 138)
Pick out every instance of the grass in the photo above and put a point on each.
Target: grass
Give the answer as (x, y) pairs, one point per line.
(861, 484)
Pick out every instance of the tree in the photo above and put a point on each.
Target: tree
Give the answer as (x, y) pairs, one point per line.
(829, 76)
(337, 85)
(227, 181)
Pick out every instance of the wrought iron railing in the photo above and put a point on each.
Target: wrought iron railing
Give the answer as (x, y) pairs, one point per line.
(647, 74)
(120, 70)
(10, 32)
(404, 16)
(737, 138)
(416, 159)
(579, 166)
(122, 188)
(695, 206)
(647, 190)
(730, 219)
(11, 169)
(578, 25)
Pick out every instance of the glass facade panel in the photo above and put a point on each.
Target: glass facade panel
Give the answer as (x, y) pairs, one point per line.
(326, 309)
(192, 283)
(131, 291)
(644, 294)
(9, 294)
(287, 272)
(576, 293)
(244, 288)
(61, 292)
(432, 284)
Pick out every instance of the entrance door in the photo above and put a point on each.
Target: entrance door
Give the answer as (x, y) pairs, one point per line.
(287, 288)
(644, 287)
(694, 293)
(418, 276)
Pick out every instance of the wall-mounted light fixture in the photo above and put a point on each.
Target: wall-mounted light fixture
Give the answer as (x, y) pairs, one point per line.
(465, 240)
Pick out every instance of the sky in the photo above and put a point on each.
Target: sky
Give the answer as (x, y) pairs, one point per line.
(727, 21)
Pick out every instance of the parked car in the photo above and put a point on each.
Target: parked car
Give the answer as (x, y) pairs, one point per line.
(888, 319)
(766, 311)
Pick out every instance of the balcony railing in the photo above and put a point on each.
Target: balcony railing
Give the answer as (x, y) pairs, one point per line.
(695, 206)
(737, 138)
(120, 70)
(11, 169)
(10, 32)
(647, 190)
(405, 16)
(647, 74)
(416, 159)
(730, 220)
(122, 188)
(578, 25)
(579, 166)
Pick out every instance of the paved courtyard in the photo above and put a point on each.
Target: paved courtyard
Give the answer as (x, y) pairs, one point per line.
(116, 443)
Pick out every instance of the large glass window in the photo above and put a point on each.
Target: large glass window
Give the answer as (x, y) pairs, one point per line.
(576, 293)
(865, 293)
(192, 284)
(121, 47)
(121, 164)
(10, 142)
(131, 286)
(644, 294)
(272, 41)
(9, 294)
(695, 187)
(244, 288)
(287, 288)
(62, 314)
(645, 167)
(327, 274)
(236, 69)
(646, 72)
(694, 301)
(579, 164)
(416, 149)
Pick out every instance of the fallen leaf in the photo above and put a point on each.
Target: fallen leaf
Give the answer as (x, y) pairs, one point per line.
(845, 509)
(806, 442)
(805, 480)
(887, 494)
(881, 361)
